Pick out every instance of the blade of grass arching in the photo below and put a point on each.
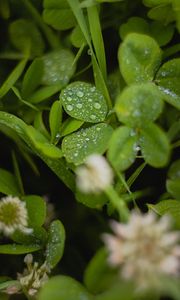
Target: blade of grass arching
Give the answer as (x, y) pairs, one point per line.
(23, 149)
(97, 39)
(13, 77)
(135, 175)
(78, 55)
(17, 93)
(17, 173)
(58, 166)
(77, 11)
(52, 39)
(124, 183)
(98, 77)
(99, 81)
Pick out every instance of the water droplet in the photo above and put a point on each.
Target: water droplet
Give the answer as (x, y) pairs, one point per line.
(84, 133)
(97, 105)
(79, 105)
(89, 100)
(89, 52)
(93, 89)
(80, 94)
(87, 139)
(69, 99)
(132, 133)
(69, 107)
(93, 117)
(57, 136)
(136, 113)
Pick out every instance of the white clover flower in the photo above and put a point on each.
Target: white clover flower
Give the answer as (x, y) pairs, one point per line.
(95, 175)
(33, 276)
(13, 215)
(144, 249)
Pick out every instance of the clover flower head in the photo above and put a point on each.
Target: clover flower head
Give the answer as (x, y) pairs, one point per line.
(95, 175)
(33, 276)
(13, 216)
(144, 249)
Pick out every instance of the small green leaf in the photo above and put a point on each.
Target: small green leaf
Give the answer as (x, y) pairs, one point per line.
(162, 13)
(96, 201)
(15, 249)
(77, 146)
(173, 183)
(77, 38)
(37, 237)
(32, 78)
(42, 144)
(84, 102)
(58, 14)
(168, 78)
(36, 208)
(8, 183)
(139, 104)
(174, 170)
(122, 148)
(154, 146)
(44, 93)
(58, 67)
(70, 125)
(123, 288)
(139, 58)
(24, 34)
(134, 24)
(40, 126)
(163, 34)
(55, 120)
(151, 3)
(171, 207)
(98, 275)
(173, 187)
(63, 288)
(55, 244)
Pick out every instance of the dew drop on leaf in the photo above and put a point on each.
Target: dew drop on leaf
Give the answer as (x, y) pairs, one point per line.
(88, 103)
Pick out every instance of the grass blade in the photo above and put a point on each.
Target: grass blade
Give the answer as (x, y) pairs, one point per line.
(97, 39)
(12, 78)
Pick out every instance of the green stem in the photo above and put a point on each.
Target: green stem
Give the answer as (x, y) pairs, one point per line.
(118, 203)
(11, 55)
(50, 36)
(124, 182)
(137, 195)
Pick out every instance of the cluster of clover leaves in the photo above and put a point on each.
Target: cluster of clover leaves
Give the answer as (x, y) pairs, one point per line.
(52, 108)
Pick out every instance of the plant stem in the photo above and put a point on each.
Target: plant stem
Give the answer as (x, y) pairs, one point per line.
(50, 36)
(12, 55)
(118, 203)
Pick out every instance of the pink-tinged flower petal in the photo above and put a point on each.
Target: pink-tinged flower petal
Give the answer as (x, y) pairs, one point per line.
(144, 249)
